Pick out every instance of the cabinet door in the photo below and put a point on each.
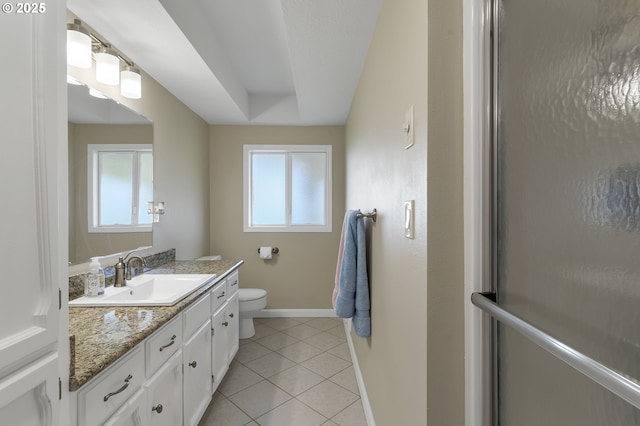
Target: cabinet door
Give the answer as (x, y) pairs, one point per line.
(219, 353)
(33, 184)
(197, 374)
(132, 413)
(233, 327)
(164, 394)
(28, 397)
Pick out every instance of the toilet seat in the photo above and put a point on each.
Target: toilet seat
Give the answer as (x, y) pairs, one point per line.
(249, 294)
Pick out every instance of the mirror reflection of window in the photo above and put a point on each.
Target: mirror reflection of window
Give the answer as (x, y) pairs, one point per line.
(120, 185)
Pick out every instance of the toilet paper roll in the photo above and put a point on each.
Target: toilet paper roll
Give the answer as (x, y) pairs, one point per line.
(265, 252)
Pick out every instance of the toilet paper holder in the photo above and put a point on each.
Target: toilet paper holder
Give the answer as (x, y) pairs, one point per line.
(274, 250)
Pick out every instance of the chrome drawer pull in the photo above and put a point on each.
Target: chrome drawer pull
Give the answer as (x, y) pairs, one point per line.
(158, 408)
(193, 364)
(173, 340)
(221, 295)
(126, 385)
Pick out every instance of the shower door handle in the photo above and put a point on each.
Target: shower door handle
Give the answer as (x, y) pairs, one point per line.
(610, 379)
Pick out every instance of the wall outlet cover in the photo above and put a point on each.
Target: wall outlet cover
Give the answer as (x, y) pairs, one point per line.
(408, 128)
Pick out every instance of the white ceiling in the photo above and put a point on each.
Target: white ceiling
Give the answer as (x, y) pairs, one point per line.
(275, 62)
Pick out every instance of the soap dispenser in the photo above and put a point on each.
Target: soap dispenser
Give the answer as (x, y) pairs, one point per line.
(94, 285)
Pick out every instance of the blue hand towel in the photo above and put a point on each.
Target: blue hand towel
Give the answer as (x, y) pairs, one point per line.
(353, 297)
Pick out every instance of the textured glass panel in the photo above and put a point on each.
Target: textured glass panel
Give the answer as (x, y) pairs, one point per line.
(268, 189)
(568, 204)
(145, 192)
(308, 188)
(116, 195)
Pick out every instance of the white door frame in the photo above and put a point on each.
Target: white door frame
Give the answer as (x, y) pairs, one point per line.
(475, 26)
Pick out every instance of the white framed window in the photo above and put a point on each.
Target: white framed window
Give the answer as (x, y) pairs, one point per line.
(120, 183)
(287, 188)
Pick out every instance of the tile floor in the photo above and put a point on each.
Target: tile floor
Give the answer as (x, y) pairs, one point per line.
(293, 372)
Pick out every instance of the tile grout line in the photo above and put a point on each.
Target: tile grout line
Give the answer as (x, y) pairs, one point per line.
(271, 331)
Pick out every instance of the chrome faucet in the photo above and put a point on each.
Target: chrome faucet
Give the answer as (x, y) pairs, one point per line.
(123, 270)
(139, 270)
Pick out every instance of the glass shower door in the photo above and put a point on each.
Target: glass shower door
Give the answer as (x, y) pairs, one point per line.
(568, 205)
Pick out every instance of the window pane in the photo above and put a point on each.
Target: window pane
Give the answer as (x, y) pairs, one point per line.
(116, 174)
(308, 185)
(268, 193)
(146, 187)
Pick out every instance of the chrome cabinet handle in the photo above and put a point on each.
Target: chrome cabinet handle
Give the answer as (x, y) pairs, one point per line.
(158, 408)
(173, 340)
(225, 323)
(126, 385)
(221, 295)
(193, 364)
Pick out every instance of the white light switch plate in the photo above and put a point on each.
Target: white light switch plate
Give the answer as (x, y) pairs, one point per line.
(408, 128)
(409, 219)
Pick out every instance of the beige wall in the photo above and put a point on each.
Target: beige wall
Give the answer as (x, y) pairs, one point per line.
(445, 216)
(180, 164)
(302, 275)
(82, 244)
(382, 174)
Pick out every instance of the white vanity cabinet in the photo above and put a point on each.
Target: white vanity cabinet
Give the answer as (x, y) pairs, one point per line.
(114, 387)
(197, 361)
(163, 403)
(169, 378)
(162, 345)
(132, 413)
(219, 357)
(225, 327)
(233, 316)
(233, 327)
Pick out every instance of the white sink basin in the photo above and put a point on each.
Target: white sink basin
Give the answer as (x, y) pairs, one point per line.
(148, 290)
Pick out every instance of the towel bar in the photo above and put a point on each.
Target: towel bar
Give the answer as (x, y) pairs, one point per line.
(372, 215)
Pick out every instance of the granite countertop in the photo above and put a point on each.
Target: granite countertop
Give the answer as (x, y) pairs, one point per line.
(100, 336)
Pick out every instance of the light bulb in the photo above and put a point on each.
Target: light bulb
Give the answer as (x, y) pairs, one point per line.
(131, 83)
(107, 66)
(78, 45)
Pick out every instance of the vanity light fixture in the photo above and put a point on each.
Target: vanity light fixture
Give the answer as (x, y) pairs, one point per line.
(156, 208)
(82, 44)
(78, 45)
(107, 66)
(130, 82)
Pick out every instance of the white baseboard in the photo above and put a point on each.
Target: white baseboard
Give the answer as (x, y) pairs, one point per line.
(296, 313)
(366, 406)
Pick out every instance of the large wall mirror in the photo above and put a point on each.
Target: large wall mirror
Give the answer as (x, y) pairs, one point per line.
(128, 179)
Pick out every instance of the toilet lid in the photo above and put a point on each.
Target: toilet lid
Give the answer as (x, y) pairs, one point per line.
(247, 294)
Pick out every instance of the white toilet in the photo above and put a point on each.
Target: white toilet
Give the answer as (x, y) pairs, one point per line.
(251, 301)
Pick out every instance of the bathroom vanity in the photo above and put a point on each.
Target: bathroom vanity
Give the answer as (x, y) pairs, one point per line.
(155, 365)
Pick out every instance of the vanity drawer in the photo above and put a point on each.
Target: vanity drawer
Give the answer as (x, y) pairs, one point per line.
(232, 284)
(164, 343)
(218, 295)
(118, 383)
(196, 315)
